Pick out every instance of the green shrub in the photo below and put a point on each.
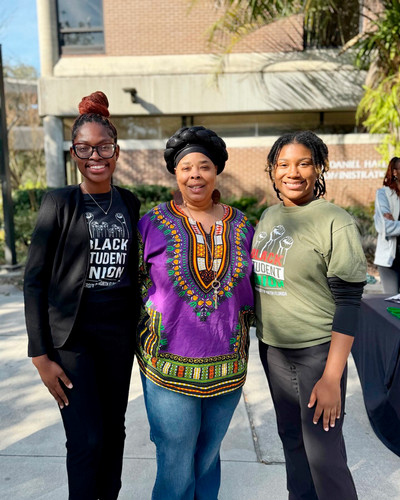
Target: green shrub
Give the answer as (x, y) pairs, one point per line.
(364, 217)
(250, 206)
(150, 195)
(28, 199)
(26, 203)
(26, 206)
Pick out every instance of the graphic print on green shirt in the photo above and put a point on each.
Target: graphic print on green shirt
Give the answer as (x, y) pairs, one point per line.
(295, 250)
(269, 254)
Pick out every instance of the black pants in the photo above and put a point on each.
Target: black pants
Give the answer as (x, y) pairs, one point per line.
(98, 360)
(316, 463)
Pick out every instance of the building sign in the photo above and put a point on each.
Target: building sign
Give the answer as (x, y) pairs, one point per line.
(356, 169)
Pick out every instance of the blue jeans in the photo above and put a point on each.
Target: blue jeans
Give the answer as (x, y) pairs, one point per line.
(187, 432)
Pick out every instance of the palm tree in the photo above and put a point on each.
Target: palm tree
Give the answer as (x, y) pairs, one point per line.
(327, 23)
(378, 48)
(369, 29)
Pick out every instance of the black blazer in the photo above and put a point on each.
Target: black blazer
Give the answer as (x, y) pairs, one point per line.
(57, 263)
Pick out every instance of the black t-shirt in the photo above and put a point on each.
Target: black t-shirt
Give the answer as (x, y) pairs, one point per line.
(110, 240)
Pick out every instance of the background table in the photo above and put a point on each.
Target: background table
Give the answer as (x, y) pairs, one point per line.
(376, 351)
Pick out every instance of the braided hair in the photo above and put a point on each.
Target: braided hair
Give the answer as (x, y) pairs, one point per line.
(390, 179)
(94, 108)
(187, 137)
(319, 155)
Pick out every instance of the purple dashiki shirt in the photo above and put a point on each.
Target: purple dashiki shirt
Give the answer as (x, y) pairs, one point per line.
(191, 339)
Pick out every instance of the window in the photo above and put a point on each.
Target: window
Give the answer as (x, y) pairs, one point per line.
(264, 124)
(231, 125)
(332, 24)
(80, 26)
(137, 127)
(339, 122)
(146, 127)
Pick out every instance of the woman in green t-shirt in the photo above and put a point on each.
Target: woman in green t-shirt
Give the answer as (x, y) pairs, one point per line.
(309, 271)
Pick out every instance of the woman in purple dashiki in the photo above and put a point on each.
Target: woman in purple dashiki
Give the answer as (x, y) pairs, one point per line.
(193, 337)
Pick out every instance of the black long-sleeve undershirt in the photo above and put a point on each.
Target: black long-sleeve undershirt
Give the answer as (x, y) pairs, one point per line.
(347, 297)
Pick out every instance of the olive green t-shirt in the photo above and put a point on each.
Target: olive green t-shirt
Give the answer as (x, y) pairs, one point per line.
(295, 250)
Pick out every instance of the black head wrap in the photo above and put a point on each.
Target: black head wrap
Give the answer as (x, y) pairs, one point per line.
(195, 139)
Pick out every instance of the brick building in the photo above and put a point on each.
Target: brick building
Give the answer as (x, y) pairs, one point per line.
(152, 60)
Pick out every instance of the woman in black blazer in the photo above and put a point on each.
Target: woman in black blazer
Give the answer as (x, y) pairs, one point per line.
(81, 304)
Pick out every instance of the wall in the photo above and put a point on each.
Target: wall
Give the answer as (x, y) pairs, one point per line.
(159, 47)
(155, 27)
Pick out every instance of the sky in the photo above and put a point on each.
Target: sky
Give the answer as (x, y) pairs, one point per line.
(19, 33)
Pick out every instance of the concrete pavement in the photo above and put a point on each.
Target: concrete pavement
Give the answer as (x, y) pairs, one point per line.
(32, 451)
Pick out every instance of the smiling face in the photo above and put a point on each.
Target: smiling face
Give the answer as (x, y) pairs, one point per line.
(97, 171)
(196, 176)
(295, 175)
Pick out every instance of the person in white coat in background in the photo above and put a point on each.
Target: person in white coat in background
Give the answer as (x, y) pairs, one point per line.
(387, 224)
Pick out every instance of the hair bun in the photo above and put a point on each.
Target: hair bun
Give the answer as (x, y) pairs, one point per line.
(96, 103)
(200, 136)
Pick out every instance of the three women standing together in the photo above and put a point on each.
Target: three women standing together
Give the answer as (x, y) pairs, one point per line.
(81, 293)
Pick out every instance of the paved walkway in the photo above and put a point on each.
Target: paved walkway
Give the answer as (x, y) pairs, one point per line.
(32, 451)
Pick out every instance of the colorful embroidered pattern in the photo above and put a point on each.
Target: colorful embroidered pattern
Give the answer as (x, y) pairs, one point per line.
(187, 342)
(203, 377)
(189, 264)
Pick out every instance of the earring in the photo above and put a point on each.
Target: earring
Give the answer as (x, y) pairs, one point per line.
(216, 196)
(178, 198)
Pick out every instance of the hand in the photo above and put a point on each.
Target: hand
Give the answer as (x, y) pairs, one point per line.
(51, 373)
(326, 393)
(388, 216)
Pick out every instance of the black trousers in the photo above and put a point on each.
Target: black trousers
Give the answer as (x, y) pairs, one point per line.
(316, 463)
(98, 360)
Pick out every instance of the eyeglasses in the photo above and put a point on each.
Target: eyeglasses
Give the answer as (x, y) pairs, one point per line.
(85, 151)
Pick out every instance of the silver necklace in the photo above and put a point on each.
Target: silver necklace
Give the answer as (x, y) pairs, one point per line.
(216, 285)
(105, 212)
